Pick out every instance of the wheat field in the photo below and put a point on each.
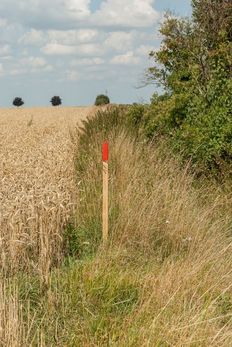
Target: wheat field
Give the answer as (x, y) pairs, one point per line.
(37, 190)
(37, 200)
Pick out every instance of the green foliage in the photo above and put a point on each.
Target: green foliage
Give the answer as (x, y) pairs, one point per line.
(83, 240)
(135, 115)
(102, 100)
(173, 71)
(165, 115)
(194, 67)
(18, 102)
(214, 19)
(156, 98)
(206, 136)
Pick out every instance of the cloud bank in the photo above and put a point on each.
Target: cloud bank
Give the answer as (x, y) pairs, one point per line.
(76, 40)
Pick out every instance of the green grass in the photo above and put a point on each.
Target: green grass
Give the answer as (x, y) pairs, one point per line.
(86, 301)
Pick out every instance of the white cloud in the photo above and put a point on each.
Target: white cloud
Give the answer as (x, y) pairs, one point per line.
(3, 22)
(120, 40)
(35, 62)
(78, 8)
(63, 37)
(7, 58)
(58, 49)
(87, 61)
(1, 70)
(63, 14)
(72, 75)
(33, 37)
(29, 65)
(130, 13)
(88, 49)
(72, 37)
(5, 50)
(41, 13)
(17, 71)
(125, 59)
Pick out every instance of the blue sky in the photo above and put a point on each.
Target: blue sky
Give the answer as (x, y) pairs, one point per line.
(79, 48)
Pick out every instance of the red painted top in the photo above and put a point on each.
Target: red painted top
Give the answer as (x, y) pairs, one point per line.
(105, 151)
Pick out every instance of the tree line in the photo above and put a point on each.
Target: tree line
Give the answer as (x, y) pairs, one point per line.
(57, 101)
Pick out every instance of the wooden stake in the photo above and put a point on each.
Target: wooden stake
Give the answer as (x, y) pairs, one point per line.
(105, 207)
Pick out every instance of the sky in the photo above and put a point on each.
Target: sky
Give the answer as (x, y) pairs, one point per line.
(78, 49)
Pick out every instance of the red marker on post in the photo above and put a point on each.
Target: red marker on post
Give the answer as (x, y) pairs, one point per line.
(105, 207)
(105, 151)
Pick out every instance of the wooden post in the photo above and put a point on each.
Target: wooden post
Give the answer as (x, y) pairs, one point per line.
(105, 207)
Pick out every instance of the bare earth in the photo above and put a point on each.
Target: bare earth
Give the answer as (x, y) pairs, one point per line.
(37, 190)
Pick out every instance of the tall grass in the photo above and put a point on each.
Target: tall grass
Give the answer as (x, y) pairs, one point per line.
(176, 238)
(165, 277)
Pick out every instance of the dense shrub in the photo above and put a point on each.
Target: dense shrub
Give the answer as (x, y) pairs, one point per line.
(194, 68)
(102, 100)
(135, 115)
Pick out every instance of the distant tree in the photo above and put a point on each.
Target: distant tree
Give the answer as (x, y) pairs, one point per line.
(18, 102)
(102, 100)
(56, 101)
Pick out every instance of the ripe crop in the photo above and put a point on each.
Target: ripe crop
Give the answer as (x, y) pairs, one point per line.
(37, 190)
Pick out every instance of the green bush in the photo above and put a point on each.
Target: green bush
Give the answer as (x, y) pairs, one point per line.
(165, 115)
(198, 127)
(102, 100)
(206, 135)
(193, 66)
(135, 115)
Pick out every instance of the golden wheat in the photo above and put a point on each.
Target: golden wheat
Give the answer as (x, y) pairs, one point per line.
(37, 199)
(37, 190)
